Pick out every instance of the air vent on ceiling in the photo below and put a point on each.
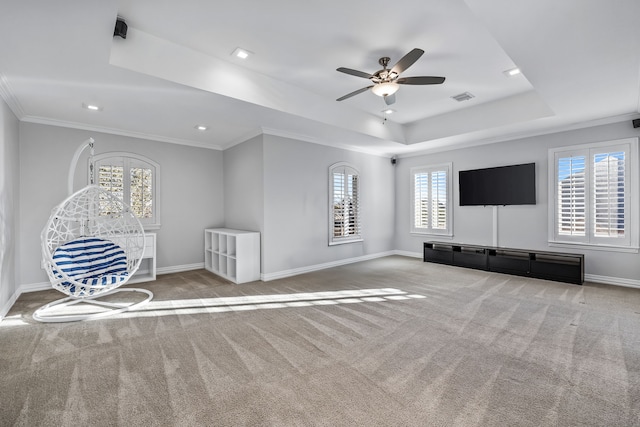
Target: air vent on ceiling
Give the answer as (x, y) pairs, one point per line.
(463, 97)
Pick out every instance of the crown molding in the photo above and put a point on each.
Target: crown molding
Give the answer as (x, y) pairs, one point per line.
(7, 94)
(297, 136)
(244, 138)
(314, 140)
(514, 136)
(121, 132)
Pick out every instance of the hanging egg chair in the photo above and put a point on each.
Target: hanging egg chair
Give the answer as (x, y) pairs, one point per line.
(91, 245)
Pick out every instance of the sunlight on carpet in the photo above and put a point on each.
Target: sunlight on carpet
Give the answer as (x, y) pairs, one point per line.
(175, 307)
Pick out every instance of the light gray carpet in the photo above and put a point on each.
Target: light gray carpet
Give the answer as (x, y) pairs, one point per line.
(424, 345)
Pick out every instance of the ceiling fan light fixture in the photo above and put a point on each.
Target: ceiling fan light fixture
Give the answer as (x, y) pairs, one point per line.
(385, 88)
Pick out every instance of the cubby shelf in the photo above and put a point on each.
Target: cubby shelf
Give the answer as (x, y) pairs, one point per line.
(562, 267)
(232, 254)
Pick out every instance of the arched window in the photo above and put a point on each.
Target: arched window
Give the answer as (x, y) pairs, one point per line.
(134, 179)
(344, 204)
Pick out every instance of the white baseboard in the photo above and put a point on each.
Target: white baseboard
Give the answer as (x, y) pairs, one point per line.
(8, 305)
(607, 280)
(179, 268)
(308, 269)
(33, 287)
(408, 254)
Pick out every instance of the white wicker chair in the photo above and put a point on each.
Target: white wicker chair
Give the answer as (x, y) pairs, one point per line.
(91, 245)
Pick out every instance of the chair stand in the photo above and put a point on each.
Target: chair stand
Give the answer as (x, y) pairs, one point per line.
(47, 314)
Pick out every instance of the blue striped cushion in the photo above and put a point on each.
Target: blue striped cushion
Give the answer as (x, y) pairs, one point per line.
(92, 261)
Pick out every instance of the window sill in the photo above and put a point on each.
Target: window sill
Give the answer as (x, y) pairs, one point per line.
(344, 242)
(150, 227)
(592, 247)
(425, 233)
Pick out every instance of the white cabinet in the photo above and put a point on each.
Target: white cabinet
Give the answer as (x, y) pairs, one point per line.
(147, 270)
(232, 254)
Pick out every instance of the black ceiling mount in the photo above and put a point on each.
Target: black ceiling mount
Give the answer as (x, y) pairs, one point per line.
(120, 29)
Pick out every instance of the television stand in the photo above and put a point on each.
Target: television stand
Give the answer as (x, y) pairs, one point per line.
(561, 267)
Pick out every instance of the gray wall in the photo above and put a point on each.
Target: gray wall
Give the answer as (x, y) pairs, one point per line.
(278, 186)
(9, 203)
(243, 186)
(191, 186)
(296, 212)
(518, 226)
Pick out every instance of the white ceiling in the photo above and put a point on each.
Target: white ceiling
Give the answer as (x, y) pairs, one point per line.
(580, 61)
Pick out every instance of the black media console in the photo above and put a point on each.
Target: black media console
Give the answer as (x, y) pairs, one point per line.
(561, 267)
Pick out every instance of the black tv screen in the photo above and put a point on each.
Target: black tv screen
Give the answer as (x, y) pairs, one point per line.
(504, 185)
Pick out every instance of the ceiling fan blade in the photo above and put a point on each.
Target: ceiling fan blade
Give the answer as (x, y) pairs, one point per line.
(349, 95)
(354, 72)
(390, 99)
(421, 80)
(407, 60)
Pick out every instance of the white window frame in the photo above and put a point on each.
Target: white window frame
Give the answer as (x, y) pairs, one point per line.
(129, 160)
(630, 241)
(345, 168)
(430, 230)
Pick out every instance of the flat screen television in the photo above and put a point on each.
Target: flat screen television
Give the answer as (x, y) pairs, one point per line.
(504, 185)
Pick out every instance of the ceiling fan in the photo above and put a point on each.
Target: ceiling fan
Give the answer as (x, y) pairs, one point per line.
(386, 81)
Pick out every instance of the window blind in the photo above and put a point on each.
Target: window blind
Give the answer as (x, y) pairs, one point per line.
(571, 196)
(439, 200)
(345, 204)
(142, 192)
(431, 199)
(608, 194)
(111, 179)
(593, 188)
(421, 200)
(338, 204)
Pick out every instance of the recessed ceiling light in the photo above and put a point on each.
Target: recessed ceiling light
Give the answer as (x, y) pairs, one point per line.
(91, 107)
(512, 72)
(241, 53)
(389, 111)
(201, 127)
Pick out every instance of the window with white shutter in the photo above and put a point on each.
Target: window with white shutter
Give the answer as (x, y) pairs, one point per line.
(609, 194)
(344, 204)
(571, 196)
(431, 200)
(133, 179)
(592, 185)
